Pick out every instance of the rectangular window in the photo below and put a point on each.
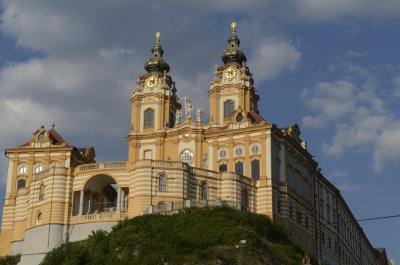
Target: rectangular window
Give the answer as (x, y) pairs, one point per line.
(305, 190)
(278, 170)
(289, 178)
(306, 222)
(279, 206)
(255, 169)
(291, 212)
(298, 217)
(297, 182)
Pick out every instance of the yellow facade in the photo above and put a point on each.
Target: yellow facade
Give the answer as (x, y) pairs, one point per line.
(174, 161)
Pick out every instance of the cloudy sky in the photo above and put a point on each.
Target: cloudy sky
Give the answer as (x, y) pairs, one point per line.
(333, 67)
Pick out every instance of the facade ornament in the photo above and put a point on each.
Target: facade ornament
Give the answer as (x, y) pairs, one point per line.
(216, 73)
(173, 89)
(138, 82)
(178, 115)
(199, 111)
(188, 107)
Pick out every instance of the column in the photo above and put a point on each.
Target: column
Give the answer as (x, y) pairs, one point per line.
(82, 194)
(90, 202)
(119, 200)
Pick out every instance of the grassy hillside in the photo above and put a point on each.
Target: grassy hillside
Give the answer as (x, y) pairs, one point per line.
(194, 236)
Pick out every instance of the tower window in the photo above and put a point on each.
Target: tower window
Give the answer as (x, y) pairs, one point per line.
(223, 168)
(41, 192)
(239, 167)
(204, 190)
(255, 169)
(162, 185)
(149, 118)
(228, 109)
(21, 183)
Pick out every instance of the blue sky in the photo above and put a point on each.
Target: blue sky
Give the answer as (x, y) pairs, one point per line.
(333, 67)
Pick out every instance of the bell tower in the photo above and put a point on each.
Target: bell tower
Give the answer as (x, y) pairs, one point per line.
(231, 91)
(154, 101)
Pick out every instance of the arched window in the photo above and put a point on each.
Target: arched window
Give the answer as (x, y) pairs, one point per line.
(245, 198)
(239, 167)
(38, 168)
(21, 183)
(255, 169)
(41, 192)
(22, 170)
(149, 118)
(228, 109)
(186, 156)
(204, 190)
(223, 168)
(162, 184)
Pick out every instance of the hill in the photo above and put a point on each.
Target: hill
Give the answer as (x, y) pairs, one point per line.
(193, 236)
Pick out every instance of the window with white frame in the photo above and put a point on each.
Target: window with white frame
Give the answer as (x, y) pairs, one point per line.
(162, 183)
(204, 190)
(149, 118)
(41, 192)
(228, 109)
(186, 156)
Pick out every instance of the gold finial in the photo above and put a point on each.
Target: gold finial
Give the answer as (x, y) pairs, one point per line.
(158, 37)
(233, 26)
(216, 67)
(138, 76)
(53, 125)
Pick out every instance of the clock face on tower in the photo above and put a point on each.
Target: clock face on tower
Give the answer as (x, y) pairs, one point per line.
(152, 81)
(230, 73)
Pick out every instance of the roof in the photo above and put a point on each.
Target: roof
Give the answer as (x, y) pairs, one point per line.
(257, 118)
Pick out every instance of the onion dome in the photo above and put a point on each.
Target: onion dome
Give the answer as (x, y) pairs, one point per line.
(156, 64)
(233, 54)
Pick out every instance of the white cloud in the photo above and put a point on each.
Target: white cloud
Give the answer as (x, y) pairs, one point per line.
(326, 10)
(338, 174)
(272, 57)
(357, 110)
(348, 187)
(396, 84)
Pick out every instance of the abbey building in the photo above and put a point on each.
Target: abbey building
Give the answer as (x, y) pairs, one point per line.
(57, 193)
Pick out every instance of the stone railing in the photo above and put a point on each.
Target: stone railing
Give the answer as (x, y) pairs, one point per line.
(177, 206)
(107, 165)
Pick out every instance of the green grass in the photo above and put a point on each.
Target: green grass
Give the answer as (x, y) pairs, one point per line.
(193, 236)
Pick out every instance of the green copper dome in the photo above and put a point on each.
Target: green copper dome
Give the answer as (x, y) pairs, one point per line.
(156, 64)
(233, 54)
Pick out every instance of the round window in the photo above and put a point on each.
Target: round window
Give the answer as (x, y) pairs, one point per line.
(222, 153)
(239, 117)
(187, 156)
(186, 135)
(238, 151)
(39, 218)
(41, 137)
(254, 149)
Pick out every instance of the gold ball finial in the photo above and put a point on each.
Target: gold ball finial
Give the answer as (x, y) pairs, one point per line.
(233, 26)
(158, 37)
(216, 67)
